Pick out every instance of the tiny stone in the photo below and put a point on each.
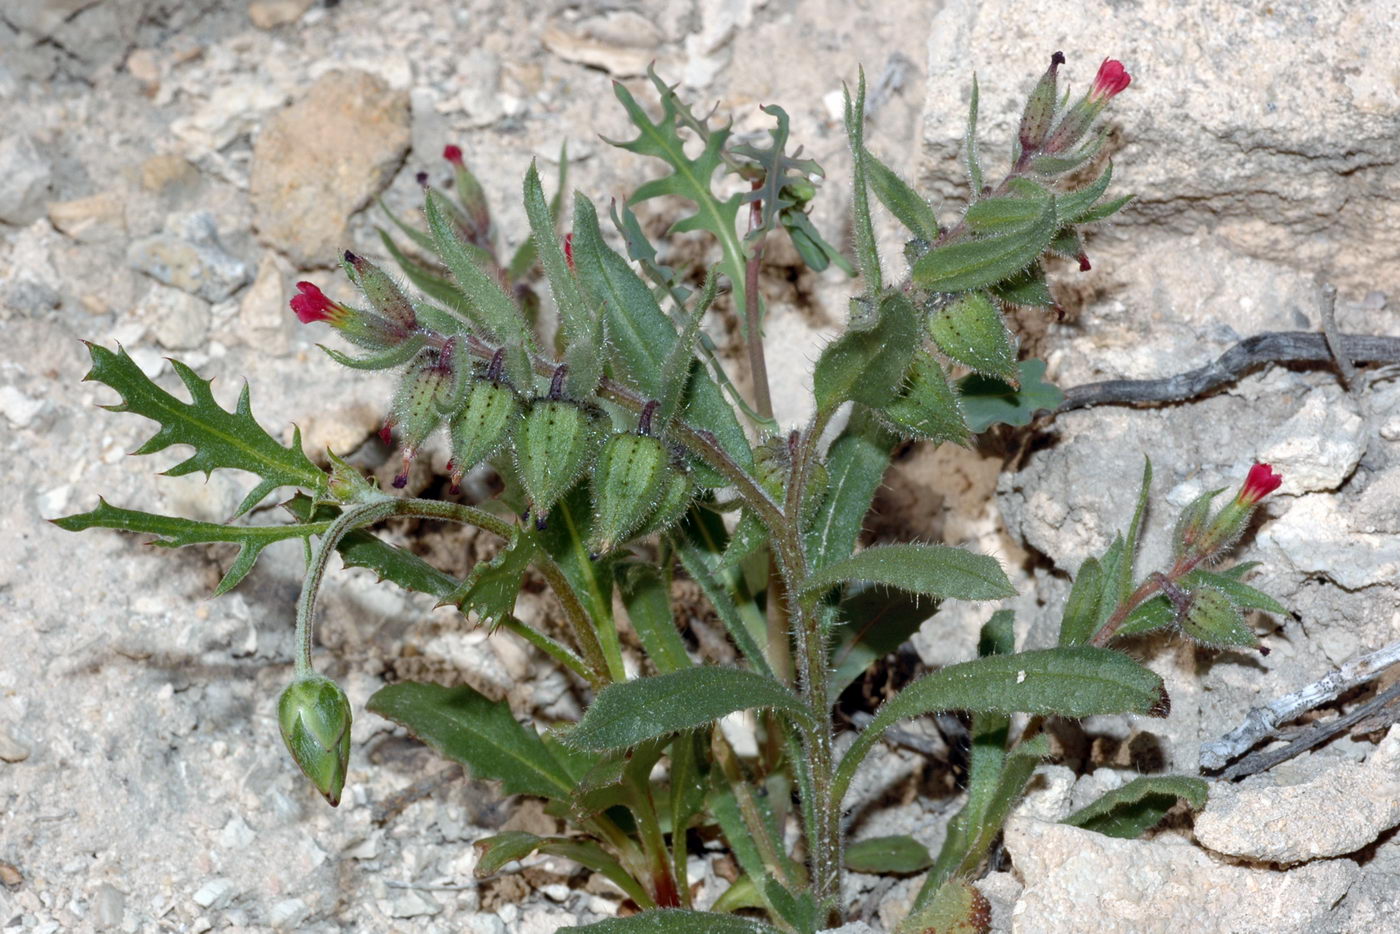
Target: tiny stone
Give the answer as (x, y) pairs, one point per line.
(413, 904)
(190, 257)
(11, 749)
(10, 876)
(216, 891)
(89, 220)
(141, 64)
(557, 891)
(108, 903)
(287, 913)
(18, 408)
(481, 923)
(25, 177)
(269, 14)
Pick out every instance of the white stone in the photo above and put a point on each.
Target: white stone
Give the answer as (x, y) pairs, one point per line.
(1081, 881)
(1319, 447)
(25, 177)
(216, 892)
(18, 408)
(1315, 538)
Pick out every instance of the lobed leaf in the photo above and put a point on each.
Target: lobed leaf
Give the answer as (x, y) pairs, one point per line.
(220, 438)
(630, 712)
(987, 401)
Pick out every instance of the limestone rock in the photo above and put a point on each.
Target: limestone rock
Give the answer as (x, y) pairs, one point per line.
(322, 159)
(92, 219)
(25, 177)
(1336, 812)
(1319, 447)
(1310, 538)
(269, 14)
(190, 257)
(621, 42)
(1080, 881)
(1247, 127)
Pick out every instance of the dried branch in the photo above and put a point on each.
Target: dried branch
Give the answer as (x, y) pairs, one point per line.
(1263, 722)
(1241, 359)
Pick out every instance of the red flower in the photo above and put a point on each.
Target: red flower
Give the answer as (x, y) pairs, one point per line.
(1111, 79)
(311, 305)
(1262, 481)
(452, 154)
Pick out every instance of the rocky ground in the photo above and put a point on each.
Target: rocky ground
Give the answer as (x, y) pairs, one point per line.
(169, 169)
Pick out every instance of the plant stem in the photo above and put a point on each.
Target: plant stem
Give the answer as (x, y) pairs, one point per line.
(753, 327)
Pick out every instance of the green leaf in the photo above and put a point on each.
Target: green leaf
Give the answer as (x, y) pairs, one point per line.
(1081, 616)
(930, 409)
(525, 255)
(1022, 206)
(689, 178)
(869, 365)
(978, 264)
(647, 596)
(488, 307)
(974, 164)
(935, 570)
(1105, 210)
(492, 586)
(1075, 205)
(504, 848)
(174, 532)
(1069, 682)
(582, 330)
(1213, 619)
(1027, 288)
(1140, 805)
(899, 854)
(987, 402)
(777, 169)
(512, 845)
(955, 907)
(867, 256)
(902, 201)
(1156, 613)
(675, 921)
(1240, 594)
(877, 623)
(855, 464)
(642, 337)
(220, 438)
(970, 330)
(483, 735)
(680, 361)
(630, 712)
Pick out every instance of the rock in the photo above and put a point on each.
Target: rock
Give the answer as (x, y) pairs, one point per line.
(11, 749)
(19, 409)
(108, 905)
(621, 42)
(1080, 881)
(216, 892)
(25, 177)
(708, 50)
(1001, 890)
(92, 219)
(263, 312)
(1319, 447)
(481, 923)
(322, 159)
(232, 110)
(1219, 130)
(850, 927)
(479, 73)
(10, 876)
(413, 904)
(190, 257)
(180, 321)
(1315, 537)
(269, 14)
(167, 173)
(142, 65)
(288, 913)
(1336, 812)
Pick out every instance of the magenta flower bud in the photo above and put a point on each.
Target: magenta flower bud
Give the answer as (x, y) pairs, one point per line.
(1110, 81)
(453, 154)
(476, 226)
(1262, 481)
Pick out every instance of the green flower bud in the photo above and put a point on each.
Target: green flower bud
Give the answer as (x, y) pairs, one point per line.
(1211, 618)
(673, 499)
(425, 392)
(553, 447)
(314, 714)
(1040, 108)
(1192, 523)
(627, 477)
(382, 292)
(348, 485)
(484, 421)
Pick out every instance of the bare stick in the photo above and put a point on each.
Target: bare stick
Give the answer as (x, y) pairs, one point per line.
(1310, 738)
(1328, 314)
(1263, 722)
(1246, 356)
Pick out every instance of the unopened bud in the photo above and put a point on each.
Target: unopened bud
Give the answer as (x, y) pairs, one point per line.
(1040, 108)
(553, 447)
(1229, 524)
(627, 477)
(473, 198)
(1111, 80)
(360, 327)
(383, 294)
(315, 716)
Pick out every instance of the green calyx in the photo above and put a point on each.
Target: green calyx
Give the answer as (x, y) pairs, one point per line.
(315, 716)
(482, 425)
(627, 477)
(554, 445)
(381, 291)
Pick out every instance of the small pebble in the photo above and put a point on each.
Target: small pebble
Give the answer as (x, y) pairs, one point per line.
(10, 876)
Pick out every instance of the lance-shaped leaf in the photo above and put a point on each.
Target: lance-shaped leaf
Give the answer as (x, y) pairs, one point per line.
(1103, 211)
(987, 401)
(582, 329)
(933, 570)
(869, 365)
(974, 163)
(1075, 206)
(647, 596)
(173, 532)
(1020, 207)
(1140, 805)
(1213, 619)
(1081, 616)
(901, 854)
(675, 921)
(220, 438)
(1241, 594)
(867, 255)
(1077, 681)
(641, 338)
(630, 712)
(524, 259)
(970, 330)
(483, 735)
(490, 308)
(902, 201)
(855, 465)
(978, 264)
